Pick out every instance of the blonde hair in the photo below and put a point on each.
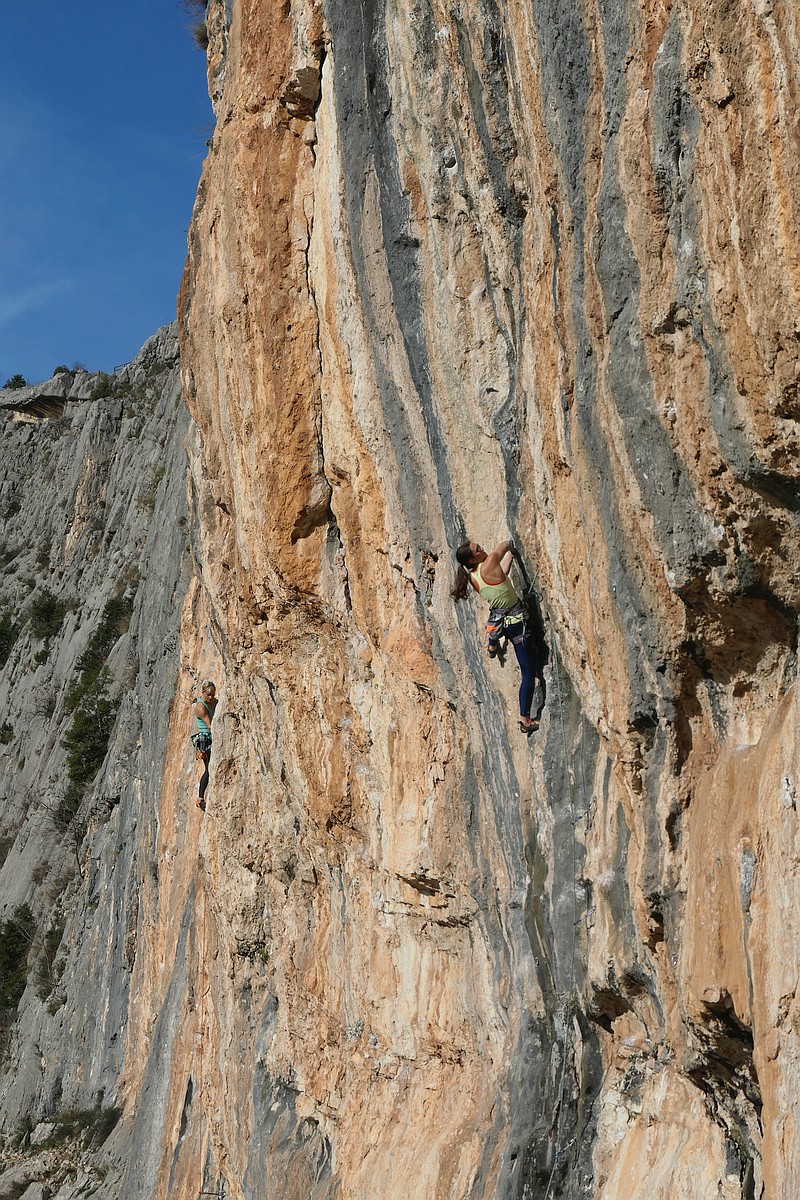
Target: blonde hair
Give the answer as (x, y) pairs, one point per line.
(206, 684)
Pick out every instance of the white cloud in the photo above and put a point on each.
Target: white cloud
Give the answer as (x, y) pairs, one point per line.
(30, 299)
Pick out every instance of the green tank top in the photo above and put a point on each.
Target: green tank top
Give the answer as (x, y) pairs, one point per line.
(202, 726)
(497, 595)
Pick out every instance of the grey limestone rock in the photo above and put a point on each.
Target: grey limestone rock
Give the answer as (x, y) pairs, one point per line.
(95, 564)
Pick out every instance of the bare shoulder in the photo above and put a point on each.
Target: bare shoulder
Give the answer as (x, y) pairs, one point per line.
(492, 567)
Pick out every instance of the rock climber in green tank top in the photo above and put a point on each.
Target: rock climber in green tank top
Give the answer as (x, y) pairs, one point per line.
(487, 573)
(204, 708)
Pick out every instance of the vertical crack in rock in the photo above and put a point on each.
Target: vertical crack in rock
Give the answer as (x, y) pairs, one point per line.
(669, 496)
(565, 65)
(302, 98)
(499, 150)
(364, 107)
(311, 89)
(155, 1115)
(558, 1073)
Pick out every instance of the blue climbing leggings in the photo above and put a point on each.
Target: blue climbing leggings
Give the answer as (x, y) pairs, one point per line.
(526, 658)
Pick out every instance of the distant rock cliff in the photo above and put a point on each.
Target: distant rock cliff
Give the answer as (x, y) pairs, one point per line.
(95, 566)
(473, 269)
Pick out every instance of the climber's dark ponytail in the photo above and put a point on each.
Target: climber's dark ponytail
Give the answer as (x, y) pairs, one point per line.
(461, 584)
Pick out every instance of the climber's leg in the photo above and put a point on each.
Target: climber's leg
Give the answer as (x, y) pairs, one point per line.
(523, 648)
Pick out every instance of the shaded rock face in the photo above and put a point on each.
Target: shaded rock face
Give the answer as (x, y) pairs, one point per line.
(462, 270)
(95, 566)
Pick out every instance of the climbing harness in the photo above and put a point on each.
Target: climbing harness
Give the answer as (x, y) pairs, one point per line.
(506, 622)
(202, 739)
(510, 624)
(201, 743)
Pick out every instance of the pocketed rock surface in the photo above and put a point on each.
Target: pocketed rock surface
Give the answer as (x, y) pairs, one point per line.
(477, 270)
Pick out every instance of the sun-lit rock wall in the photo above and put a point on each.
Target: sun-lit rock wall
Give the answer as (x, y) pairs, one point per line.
(469, 270)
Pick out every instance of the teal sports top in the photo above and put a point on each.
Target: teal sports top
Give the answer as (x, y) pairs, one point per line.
(201, 725)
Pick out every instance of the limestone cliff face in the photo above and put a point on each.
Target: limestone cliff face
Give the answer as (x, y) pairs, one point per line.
(95, 566)
(479, 268)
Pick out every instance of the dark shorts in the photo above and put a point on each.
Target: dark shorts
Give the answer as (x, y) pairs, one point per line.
(511, 623)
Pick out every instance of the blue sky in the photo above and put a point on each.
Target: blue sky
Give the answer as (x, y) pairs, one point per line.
(104, 116)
